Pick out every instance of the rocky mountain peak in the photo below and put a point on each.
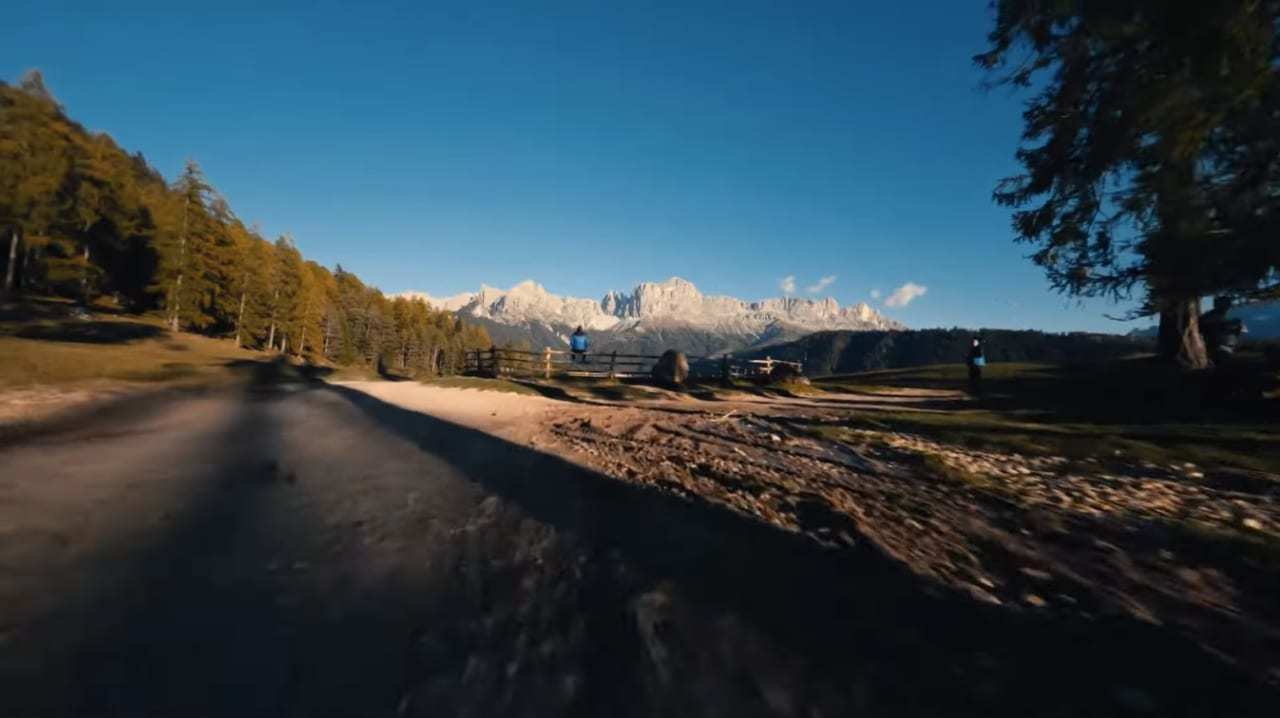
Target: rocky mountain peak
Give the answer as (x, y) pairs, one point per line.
(672, 298)
(674, 302)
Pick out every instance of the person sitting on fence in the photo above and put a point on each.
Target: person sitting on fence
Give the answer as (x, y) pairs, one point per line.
(578, 344)
(977, 359)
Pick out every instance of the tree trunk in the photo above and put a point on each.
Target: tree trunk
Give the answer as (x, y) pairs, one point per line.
(25, 279)
(306, 321)
(1179, 335)
(284, 344)
(182, 262)
(240, 319)
(84, 276)
(271, 335)
(12, 266)
(177, 303)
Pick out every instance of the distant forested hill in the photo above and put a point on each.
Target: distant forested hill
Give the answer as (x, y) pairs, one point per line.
(1261, 321)
(82, 218)
(826, 353)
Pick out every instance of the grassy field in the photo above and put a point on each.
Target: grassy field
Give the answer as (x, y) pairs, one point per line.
(48, 343)
(351, 373)
(480, 383)
(1128, 411)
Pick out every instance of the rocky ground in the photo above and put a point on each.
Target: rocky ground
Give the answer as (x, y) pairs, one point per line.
(1194, 548)
(1178, 545)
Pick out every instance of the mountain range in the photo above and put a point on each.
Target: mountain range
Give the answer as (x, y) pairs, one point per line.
(653, 317)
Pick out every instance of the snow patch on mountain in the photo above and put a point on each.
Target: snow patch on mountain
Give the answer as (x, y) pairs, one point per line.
(451, 304)
(674, 302)
(528, 301)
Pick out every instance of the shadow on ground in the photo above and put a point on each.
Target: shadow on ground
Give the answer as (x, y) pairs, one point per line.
(674, 608)
(90, 331)
(844, 630)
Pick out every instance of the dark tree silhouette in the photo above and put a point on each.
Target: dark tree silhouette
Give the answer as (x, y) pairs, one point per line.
(1149, 149)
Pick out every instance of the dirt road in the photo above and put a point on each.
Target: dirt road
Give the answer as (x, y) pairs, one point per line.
(312, 550)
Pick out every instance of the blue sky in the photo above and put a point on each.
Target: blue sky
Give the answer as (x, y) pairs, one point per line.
(589, 145)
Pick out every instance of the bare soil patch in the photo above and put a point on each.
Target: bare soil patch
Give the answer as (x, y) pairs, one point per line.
(1192, 547)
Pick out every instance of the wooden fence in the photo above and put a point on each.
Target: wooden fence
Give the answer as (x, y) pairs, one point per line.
(548, 363)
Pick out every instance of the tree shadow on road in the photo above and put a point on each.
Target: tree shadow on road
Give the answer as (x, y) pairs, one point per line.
(677, 609)
(206, 618)
(842, 630)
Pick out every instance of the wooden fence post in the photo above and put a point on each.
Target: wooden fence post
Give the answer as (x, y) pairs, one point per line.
(494, 367)
(546, 362)
(613, 363)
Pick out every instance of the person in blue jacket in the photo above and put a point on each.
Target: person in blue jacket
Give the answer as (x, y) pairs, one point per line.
(578, 344)
(976, 360)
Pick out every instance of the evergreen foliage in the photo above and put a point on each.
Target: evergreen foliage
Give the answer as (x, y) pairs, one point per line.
(1149, 149)
(82, 218)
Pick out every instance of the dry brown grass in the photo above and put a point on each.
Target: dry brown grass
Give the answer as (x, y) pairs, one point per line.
(43, 344)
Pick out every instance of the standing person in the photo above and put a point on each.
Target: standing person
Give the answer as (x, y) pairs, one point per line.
(976, 361)
(578, 344)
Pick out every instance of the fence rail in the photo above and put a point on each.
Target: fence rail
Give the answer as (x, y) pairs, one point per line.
(547, 363)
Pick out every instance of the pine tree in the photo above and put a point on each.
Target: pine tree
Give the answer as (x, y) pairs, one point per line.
(183, 249)
(33, 165)
(252, 263)
(286, 293)
(1133, 170)
(78, 215)
(314, 296)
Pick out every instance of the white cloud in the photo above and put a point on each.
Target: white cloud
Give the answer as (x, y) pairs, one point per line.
(821, 284)
(788, 284)
(904, 295)
(875, 293)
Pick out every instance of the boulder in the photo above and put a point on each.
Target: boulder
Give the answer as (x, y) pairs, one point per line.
(787, 374)
(672, 368)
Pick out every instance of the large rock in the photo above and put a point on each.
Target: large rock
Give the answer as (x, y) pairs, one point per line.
(672, 368)
(787, 374)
